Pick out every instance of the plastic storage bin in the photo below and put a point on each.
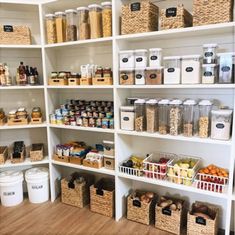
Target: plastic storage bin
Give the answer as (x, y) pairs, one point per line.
(126, 59)
(128, 118)
(209, 53)
(163, 116)
(140, 76)
(140, 58)
(221, 124)
(191, 69)
(95, 16)
(83, 23)
(50, 28)
(140, 115)
(37, 184)
(11, 188)
(155, 57)
(107, 19)
(127, 76)
(152, 115)
(71, 25)
(60, 21)
(154, 75)
(172, 70)
(209, 73)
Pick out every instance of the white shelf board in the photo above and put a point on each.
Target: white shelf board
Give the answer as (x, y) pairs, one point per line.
(21, 46)
(21, 87)
(178, 138)
(221, 28)
(173, 185)
(81, 167)
(27, 162)
(81, 87)
(28, 126)
(94, 129)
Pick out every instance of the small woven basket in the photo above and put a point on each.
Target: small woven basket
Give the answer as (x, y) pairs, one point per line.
(3, 154)
(212, 11)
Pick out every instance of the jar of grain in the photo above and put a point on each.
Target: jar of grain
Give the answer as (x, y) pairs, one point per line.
(163, 116)
(83, 23)
(95, 16)
(175, 117)
(60, 21)
(205, 107)
(50, 28)
(154, 75)
(189, 118)
(71, 25)
(152, 115)
(140, 115)
(107, 19)
(127, 76)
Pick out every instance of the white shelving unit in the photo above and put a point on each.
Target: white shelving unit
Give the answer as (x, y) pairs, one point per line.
(104, 51)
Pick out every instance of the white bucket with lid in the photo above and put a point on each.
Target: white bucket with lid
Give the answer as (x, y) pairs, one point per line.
(37, 184)
(11, 188)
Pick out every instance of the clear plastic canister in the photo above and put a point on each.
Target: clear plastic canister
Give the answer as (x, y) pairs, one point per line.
(83, 23)
(126, 59)
(175, 117)
(50, 28)
(107, 19)
(155, 57)
(163, 106)
(152, 115)
(141, 58)
(60, 21)
(209, 54)
(71, 25)
(209, 73)
(205, 107)
(140, 115)
(95, 16)
(140, 76)
(127, 118)
(172, 70)
(189, 118)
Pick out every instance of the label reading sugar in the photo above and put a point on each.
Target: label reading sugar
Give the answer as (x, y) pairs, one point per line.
(189, 69)
(171, 12)
(138, 76)
(153, 57)
(139, 59)
(125, 60)
(220, 126)
(171, 70)
(225, 69)
(135, 6)
(200, 220)
(8, 28)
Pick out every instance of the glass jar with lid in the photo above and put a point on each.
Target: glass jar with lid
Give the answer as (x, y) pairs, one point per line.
(175, 117)
(107, 19)
(152, 115)
(209, 53)
(172, 69)
(95, 16)
(189, 118)
(71, 25)
(140, 115)
(50, 28)
(163, 106)
(83, 23)
(155, 57)
(60, 21)
(205, 107)
(128, 118)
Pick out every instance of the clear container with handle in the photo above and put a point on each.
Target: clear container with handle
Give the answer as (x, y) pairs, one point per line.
(163, 106)
(140, 115)
(71, 25)
(189, 118)
(50, 28)
(107, 19)
(152, 115)
(60, 21)
(83, 23)
(205, 107)
(95, 17)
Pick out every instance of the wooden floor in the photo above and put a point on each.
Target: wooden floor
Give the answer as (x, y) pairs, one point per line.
(57, 218)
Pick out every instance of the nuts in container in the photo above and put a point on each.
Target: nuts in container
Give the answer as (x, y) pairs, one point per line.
(140, 115)
(107, 19)
(50, 28)
(152, 115)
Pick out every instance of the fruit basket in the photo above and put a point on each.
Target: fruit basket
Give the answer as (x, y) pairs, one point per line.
(155, 165)
(182, 170)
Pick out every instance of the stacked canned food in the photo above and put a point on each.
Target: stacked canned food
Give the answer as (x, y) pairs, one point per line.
(176, 117)
(94, 21)
(84, 113)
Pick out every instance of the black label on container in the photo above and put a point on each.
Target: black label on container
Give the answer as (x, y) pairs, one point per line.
(108, 163)
(220, 126)
(189, 69)
(135, 6)
(100, 192)
(124, 77)
(171, 70)
(153, 57)
(171, 12)
(125, 60)
(126, 119)
(166, 211)
(8, 28)
(225, 68)
(136, 203)
(200, 220)
(153, 76)
(208, 74)
(208, 54)
(139, 59)
(138, 76)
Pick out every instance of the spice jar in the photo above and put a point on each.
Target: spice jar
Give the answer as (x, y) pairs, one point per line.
(126, 59)
(205, 107)
(139, 76)
(60, 21)
(226, 67)
(99, 72)
(221, 124)
(127, 76)
(154, 75)
(107, 72)
(175, 117)
(172, 70)
(163, 107)
(50, 28)
(95, 16)
(155, 57)
(140, 58)
(83, 23)
(36, 112)
(140, 115)
(191, 69)
(209, 73)
(209, 54)
(107, 19)
(152, 115)
(189, 118)
(71, 25)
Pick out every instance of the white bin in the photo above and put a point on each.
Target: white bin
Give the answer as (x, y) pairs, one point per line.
(37, 184)
(11, 188)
